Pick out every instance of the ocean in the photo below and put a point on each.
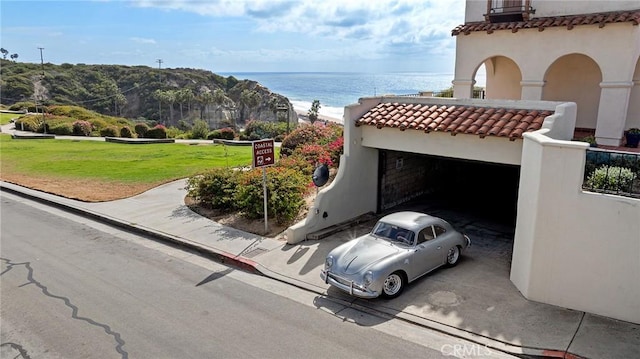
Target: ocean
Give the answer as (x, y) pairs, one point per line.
(335, 90)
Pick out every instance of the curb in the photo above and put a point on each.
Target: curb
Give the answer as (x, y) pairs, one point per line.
(221, 256)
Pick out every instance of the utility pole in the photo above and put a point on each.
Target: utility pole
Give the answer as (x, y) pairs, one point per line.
(44, 120)
(159, 61)
(41, 60)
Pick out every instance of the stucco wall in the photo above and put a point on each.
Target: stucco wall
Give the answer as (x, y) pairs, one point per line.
(573, 248)
(475, 9)
(352, 192)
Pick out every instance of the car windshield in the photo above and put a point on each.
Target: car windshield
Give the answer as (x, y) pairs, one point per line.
(393, 233)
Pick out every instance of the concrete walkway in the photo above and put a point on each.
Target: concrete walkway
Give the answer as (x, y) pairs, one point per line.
(475, 300)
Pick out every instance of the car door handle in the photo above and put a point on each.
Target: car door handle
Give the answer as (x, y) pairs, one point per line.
(438, 247)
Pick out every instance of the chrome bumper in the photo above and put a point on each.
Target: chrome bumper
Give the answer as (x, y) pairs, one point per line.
(347, 285)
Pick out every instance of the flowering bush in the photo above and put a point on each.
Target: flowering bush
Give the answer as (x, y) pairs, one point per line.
(82, 128)
(314, 154)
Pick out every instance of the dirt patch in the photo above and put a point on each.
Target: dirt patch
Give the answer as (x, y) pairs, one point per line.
(85, 190)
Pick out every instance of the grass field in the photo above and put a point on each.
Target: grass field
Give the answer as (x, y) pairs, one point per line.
(6, 117)
(97, 171)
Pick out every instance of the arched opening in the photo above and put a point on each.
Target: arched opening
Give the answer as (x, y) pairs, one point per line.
(503, 78)
(575, 78)
(633, 111)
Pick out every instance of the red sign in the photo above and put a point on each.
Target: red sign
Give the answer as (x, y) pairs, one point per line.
(263, 153)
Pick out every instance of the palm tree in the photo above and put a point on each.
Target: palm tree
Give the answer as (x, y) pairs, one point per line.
(205, 99)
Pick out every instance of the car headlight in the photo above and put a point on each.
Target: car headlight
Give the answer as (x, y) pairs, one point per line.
(328, 263)
(368, 278)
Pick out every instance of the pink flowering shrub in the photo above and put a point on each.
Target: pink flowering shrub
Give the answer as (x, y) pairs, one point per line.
(82, 128)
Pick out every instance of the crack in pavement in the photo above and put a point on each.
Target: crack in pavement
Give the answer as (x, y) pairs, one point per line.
(22, 352)
(74, 310)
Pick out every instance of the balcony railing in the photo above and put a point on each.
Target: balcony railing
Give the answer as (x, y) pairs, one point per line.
(508, 10)
(612, 172)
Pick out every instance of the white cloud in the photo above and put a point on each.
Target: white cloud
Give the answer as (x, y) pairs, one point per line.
(141, 40)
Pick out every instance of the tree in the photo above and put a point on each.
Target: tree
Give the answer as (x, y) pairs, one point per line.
(14, 57)
(313, 111)
(4, 52)
(204, 99)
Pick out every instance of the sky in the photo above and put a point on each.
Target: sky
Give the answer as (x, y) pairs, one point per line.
(235, 36)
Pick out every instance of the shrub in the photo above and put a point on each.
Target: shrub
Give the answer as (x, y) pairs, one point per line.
(175, 132)
(61, 129)
(200, 129)
(336, 149)
(611, 178)
(297, 163)
(227, 133)
(23, 105)
(110, 131)
(98, 124)
(262, 129)
(314, 154)
(215, 188)
(82, 128)
(141, 129)
(306, 134)
(158, 131)
(126, 132)
(285, 194)
(31, 123)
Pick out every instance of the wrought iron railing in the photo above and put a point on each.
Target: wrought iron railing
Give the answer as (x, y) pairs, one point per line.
(612, 172)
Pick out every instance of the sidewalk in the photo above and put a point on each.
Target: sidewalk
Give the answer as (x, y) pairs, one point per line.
(466, 301)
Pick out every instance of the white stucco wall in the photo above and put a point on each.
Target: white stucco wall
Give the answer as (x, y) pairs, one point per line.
(352, 192)
(475, 9)
(614, 49)
(573, 248)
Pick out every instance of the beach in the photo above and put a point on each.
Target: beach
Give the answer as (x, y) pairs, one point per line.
(303, 117)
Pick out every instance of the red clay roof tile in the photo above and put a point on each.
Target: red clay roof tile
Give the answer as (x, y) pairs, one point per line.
(481, 121)
(570, 21)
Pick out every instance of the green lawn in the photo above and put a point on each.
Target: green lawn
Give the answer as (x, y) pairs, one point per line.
(135, 163)
(6, 117)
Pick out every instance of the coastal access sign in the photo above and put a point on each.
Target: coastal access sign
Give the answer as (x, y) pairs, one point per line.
(263, 153)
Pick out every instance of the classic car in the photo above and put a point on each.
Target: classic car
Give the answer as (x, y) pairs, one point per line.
(401, 248)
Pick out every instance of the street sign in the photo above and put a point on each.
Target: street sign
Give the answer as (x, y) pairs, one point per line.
(263, 153)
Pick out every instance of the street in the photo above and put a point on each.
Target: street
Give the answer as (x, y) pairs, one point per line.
(72, 288)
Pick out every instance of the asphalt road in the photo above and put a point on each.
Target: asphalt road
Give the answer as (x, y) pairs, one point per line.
(72, 288)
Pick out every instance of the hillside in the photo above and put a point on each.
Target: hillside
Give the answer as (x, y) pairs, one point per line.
(166, 96)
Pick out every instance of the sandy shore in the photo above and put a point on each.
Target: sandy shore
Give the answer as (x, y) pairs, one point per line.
(302, 116)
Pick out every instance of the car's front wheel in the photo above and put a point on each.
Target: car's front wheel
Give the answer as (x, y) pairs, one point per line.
(393, 285)
(453, 256)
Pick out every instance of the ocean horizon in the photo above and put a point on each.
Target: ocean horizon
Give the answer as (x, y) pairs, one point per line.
(335, 90)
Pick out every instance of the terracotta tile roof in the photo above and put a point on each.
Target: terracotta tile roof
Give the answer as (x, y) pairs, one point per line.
(541, 23)
(474, 120)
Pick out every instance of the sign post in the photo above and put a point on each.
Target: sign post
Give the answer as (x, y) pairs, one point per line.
(263, 156)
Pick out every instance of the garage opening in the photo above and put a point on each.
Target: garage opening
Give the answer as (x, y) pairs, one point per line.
(480, 190)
